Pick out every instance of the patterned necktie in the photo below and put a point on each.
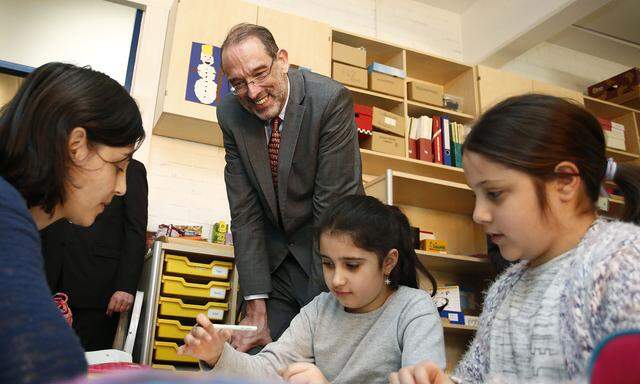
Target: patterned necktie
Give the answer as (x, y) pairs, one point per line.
(274, 146)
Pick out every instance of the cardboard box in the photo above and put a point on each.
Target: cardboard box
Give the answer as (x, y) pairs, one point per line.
(349, 55)
(620, 89)
(381, 142)
(388, 122)
(349, 75)
(390, 85)
(425, 92)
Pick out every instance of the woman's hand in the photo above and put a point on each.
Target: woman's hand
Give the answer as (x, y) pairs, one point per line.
(303, 373)
(425, 372)
(204, 342)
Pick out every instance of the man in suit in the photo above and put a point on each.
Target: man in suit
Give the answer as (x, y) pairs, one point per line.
(291, 150)
(98, 267)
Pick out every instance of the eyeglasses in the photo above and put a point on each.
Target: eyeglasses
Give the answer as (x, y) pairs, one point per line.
(242, 86)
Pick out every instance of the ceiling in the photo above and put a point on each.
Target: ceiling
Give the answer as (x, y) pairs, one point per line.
(611, 33)
(457, 6)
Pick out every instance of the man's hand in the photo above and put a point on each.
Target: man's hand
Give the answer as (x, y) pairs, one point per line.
(256, 315)
(425, 372)
(120, 302)
(204, 342)
(303, 373)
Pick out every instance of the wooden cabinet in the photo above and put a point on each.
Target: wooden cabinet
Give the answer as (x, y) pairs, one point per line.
(495, 85)
(8, 87)
(554, 90)
(308, 42)
(200, 21)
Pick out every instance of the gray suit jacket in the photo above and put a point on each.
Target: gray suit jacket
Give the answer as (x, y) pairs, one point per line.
(319, 161)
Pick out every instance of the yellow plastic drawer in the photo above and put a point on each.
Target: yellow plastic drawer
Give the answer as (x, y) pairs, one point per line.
(168, 351)
(173, 285)
(182, 266)
(166, 367)
(172, 329)
(171, 306)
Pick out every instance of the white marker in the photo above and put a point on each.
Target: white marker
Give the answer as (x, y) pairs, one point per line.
(249, 328)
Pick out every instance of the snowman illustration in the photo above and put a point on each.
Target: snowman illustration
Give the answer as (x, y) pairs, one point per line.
(206, 88)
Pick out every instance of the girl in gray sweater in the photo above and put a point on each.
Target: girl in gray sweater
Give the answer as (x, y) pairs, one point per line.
(537, 165)
(374, 320)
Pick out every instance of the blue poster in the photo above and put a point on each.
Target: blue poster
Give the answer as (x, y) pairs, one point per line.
(205, 82)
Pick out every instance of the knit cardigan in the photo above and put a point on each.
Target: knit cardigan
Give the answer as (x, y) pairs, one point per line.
(601, 296)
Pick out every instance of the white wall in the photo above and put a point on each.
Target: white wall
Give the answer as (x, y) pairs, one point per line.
(81, 32)
(186, 184)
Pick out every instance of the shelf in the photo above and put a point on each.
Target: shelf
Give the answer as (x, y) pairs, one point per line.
(374, 94)
(399, 188)
(455, 263)
(433, 69)
(621, 156)
(458, 328)
(417, 109)
(376, 164)
(606, 109)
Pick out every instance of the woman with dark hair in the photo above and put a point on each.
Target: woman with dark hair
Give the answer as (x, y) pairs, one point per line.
(373, 321)
(537, 165)
(65, 142)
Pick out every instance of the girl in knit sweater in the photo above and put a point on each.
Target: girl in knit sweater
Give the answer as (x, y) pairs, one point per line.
(537, 165)
(373, 322)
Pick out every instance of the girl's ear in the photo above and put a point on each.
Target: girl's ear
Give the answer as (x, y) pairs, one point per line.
(390, 261)
(567, 187)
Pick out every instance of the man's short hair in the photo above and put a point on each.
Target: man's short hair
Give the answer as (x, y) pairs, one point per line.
(243, 31)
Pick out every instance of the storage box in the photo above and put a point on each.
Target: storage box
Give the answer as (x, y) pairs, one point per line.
(349, 55)
(386, 84)
(172, 329)
(425, 92)
(180, 265)
(364, 119)
(168, 351)
(387, 69)
(388, 122)
(437, 246)
(172, 306)
(620, 89)
(172, 285)
(381, 142)
(349, 75)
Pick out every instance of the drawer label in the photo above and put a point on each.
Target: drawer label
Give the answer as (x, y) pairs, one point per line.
(390, 121)
(219, 271)
(216, 314)
(217, 293)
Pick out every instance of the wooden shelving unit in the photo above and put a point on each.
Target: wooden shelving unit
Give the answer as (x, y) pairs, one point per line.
(433, 196)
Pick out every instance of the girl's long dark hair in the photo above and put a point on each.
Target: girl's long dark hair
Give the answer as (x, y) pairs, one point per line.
(378, 228)
(533, 133)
